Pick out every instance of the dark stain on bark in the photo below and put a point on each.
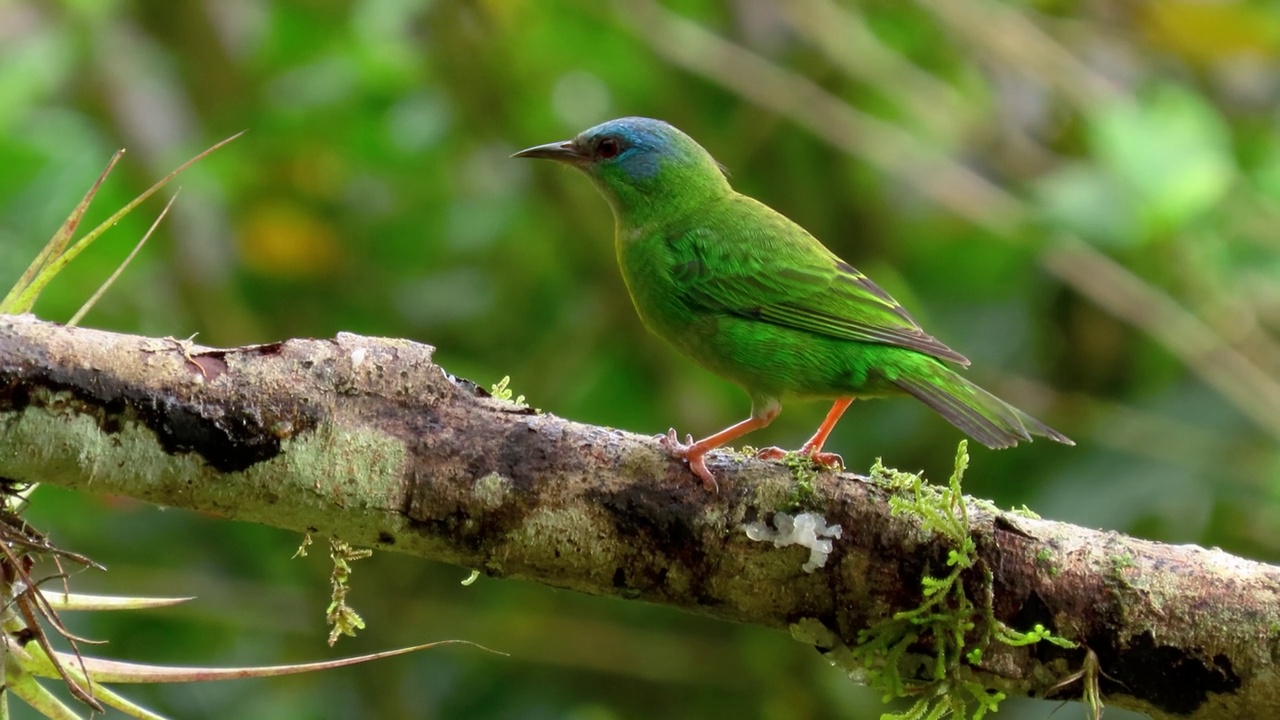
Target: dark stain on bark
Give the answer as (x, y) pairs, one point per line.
(660, 527)
(623, 585)
(656, 518)
(1034, 611)
(891, 581)
(451, 508)
(1173, 679)
(526, 455)
(230, 436)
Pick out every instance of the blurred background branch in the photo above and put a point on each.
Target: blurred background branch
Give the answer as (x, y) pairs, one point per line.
(887, 146)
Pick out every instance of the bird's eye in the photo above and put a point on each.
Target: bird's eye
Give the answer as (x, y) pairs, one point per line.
(607, 148)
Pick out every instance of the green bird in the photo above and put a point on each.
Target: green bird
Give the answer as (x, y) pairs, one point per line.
(753, 297)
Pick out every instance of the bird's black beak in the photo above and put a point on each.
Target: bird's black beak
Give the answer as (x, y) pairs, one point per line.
(564, 151)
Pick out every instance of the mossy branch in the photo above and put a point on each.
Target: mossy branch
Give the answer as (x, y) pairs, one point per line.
(926, 594)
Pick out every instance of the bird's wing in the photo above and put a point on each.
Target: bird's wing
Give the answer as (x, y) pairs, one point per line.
(755, 263)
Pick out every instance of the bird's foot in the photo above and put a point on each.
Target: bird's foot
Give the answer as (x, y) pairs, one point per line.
(670, 441)
(827, 460)
(693, 454)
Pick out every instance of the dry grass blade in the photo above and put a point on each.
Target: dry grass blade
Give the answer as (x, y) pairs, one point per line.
(124, 705)
(34, 663)
(30, 602)
(14, 531)
(75, 602)
(27, 296)
(30, 663)
(56, 244)
(88, 304)
(24, 686)
(22, 601)
(111, 671)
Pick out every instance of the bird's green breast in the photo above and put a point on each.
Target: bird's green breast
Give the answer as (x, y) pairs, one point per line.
(645, 259)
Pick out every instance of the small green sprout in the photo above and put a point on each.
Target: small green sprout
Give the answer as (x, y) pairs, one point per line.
(500, 391)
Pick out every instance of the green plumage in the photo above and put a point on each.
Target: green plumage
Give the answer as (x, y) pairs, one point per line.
(755, 298)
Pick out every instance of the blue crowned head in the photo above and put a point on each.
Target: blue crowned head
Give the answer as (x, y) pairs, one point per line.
(637, 161)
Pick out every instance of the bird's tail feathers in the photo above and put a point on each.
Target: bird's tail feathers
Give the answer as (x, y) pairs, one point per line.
(979, 414)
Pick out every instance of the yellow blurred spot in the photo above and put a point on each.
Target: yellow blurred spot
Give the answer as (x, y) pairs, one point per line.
(1206, 32)
(503, 11)
(283, 239)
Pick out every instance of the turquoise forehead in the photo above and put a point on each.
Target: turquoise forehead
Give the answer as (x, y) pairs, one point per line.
(642, 132)
(648, 141)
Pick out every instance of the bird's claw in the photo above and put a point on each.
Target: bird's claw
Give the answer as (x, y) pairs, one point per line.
(699, 468)
(671, 443)
(826, 460)
(689, 452)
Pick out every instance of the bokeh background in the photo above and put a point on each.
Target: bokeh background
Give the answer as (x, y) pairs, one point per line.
(1083, 196)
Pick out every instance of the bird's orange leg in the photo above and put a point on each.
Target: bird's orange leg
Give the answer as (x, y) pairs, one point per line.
(813, 448)
(695, 452)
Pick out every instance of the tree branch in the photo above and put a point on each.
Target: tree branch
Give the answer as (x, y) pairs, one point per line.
(369, 440)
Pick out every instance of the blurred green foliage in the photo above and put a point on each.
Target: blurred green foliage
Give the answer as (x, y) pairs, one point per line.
(1083, 197)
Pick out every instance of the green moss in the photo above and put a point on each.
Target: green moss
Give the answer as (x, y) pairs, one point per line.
(342, 618)
(1025, 512)
(804, 494)
(1120, 563)
(1044, 559)
(947, 620)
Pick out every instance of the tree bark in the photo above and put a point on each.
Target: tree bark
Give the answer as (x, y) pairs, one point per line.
(367, 439)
